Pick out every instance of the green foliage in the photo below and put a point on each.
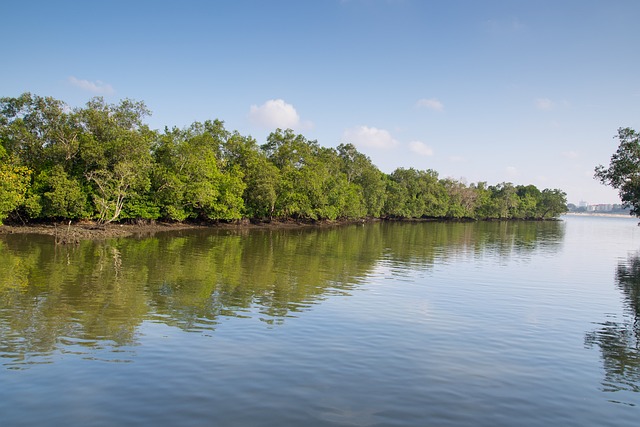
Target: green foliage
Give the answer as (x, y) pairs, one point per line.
(260, 177)
(115, 154)
(418, 194)
(38, 131)
(396, 199)
(484, 206)
(102, 162)
(140, 207)
(14, 182)
(461, 200)
(300, 183)
(230, 204)
(623, 172)
(505, 199)
(530, 198)
(368, 180)
(59, 195)
(552, 204)
(189, 178)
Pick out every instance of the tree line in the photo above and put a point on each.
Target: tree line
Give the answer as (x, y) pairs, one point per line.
(102, 162)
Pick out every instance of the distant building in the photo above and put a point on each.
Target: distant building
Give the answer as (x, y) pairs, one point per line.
(599, 208)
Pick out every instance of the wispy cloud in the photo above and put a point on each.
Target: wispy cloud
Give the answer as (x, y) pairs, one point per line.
(364, 136)
(504, 26)
(97, 87)
(543, 104)
(420, 148)
(276, 113)
(512, 171)
(571, 155)
(431, 103)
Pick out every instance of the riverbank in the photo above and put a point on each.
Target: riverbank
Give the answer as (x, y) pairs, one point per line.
(74, 232)
(70, 233)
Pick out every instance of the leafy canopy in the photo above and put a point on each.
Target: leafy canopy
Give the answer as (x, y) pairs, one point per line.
(623, 172)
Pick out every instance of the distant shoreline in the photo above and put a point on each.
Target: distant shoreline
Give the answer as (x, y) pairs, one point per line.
(602, 214)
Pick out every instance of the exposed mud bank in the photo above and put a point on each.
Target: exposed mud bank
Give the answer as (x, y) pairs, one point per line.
(68, 233)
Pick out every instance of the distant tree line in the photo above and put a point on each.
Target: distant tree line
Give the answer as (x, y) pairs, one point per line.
(102, 162)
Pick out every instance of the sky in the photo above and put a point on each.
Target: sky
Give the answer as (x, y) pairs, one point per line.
(528, 92)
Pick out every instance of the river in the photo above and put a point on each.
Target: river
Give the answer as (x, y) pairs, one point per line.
(383, 324)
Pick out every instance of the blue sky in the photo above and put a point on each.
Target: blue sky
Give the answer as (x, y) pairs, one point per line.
(529, 92)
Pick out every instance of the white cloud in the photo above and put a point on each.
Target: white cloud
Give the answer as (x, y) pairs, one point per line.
(364, 136)
(96, 87)
(543, 104)
(275, 113)
(512, 171)
(431, 103)
(420, 148)
(571, 155)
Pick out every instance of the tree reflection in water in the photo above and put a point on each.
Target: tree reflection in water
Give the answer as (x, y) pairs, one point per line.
(619, 339)
(97, 295)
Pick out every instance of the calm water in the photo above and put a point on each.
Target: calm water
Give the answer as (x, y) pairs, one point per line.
(479, 324)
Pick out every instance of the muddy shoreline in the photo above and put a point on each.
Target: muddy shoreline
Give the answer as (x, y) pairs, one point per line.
(75, 232)
(69, 233)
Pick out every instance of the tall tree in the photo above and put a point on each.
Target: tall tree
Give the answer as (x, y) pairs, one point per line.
(116, 154)
(56, 194)
(506, 200)
(40, 131)
(623, 172)
(359, 169)
(553, 203)
(424, 195)
(261, 177)
(293, 156)
(530, 198)
(192, 180)
(44, 135)
(461, 200)
(486, 206)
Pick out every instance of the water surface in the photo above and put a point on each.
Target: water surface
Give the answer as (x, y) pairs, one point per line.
(403, 324)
